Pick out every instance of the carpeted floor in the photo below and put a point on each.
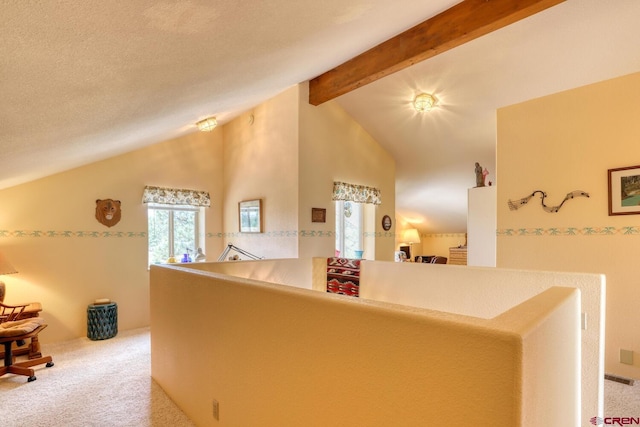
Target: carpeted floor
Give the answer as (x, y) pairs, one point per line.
(93, 383)
(108, 383)
(621, 400)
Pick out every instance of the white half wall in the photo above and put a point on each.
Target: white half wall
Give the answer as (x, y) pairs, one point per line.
(277, 355)
(487, 292)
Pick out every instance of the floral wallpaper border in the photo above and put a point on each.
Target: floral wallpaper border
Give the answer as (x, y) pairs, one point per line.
(571, 231)
(143, 234)
(631, 230)
(70, 233)
(441, 235)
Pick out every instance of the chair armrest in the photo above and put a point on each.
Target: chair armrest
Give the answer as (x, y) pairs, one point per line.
(11, 312)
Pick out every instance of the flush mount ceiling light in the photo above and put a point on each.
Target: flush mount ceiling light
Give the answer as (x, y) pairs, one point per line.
(208, 124)
(424, 102)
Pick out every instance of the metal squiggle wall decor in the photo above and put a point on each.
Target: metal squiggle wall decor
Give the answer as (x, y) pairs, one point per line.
(517, 204)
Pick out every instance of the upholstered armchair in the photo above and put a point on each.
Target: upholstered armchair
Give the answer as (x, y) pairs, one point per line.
(17, 332)
(10, 313)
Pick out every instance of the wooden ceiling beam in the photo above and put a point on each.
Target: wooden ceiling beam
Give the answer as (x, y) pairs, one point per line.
(461, 23)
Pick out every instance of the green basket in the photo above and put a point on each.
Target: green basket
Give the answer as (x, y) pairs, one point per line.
(102, 321)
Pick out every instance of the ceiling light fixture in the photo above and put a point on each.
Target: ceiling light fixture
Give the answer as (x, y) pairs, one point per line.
(424, 102)
(208, 124)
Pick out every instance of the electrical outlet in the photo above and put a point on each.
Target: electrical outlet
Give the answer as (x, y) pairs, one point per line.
(626, 357)
(216, 410)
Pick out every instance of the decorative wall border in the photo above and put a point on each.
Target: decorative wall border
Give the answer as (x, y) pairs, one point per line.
(237, 234)
(570, 231)
(209, 235)
(380, 234)
(69, 233)
(298, 233)
(443, 235)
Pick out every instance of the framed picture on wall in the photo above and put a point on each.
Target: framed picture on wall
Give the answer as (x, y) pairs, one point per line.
(318, 215)
(624, 191)
(386, 223)
(250, 216)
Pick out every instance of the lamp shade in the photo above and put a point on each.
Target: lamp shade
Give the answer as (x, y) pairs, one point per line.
(5, 266)
(412, 236)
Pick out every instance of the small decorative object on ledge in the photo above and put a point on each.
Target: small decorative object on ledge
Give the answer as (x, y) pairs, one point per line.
(230, 247)
(318, 215)
(517, 204)
(480, 175)
(200, 256)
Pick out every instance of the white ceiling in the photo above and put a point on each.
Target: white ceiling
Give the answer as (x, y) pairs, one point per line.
(572, 44)
(85, 80)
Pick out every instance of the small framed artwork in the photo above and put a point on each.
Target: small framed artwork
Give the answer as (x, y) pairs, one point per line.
(386, 223)
(250, 216)
(624, 191)
(318, 215)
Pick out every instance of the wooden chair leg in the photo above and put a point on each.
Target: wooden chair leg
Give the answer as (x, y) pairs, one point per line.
(34, 348)
(18, 370)
(33, 362)
(24, 367)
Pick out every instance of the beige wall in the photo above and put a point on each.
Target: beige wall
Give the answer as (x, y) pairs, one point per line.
(439, 244)
(282, 151)
(261, 162)
(567, 142)
(66, 258)
(333, 147)
(336, 360)
(289, 153)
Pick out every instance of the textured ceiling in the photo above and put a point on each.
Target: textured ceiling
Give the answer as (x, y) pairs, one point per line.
(84, 80)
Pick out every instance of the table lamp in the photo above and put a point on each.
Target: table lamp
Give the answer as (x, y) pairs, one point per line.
(5, 268)
(411, 236)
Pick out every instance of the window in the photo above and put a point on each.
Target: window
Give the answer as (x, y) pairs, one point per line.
(355, 217)
(349, 228)
(174, 231)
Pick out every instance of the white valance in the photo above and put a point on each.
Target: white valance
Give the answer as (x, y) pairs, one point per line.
(176, 196)
(356, 193)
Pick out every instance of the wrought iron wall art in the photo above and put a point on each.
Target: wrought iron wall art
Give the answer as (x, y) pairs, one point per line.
(517, 204)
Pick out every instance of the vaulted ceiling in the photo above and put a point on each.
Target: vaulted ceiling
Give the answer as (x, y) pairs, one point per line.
(84, 80)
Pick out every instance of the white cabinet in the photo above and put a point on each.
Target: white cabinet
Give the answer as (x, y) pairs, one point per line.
(482, 218)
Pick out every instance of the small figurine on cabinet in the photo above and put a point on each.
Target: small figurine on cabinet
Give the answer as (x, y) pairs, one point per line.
(479, 175)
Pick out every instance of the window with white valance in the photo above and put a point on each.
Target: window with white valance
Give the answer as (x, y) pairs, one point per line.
(356, 193)
(176, 196)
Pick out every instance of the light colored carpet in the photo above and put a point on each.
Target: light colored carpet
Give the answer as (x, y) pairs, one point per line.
(108, 383)
(621, 400)
(93, 383)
